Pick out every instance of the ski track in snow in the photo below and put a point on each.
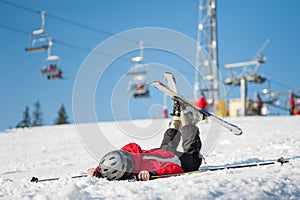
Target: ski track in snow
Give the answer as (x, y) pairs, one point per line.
(56, 151)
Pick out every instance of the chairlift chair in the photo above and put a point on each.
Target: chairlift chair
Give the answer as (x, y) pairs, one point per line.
(38, 43)
(39, 39)
(50, 67)
(138, 87)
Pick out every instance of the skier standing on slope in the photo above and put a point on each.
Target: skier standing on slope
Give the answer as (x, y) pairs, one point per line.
(202, 103)
(131, 161)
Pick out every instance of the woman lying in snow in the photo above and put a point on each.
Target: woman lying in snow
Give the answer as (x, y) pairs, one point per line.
(132, 161)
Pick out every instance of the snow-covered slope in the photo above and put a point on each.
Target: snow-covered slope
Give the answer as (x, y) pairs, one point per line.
(57, 151)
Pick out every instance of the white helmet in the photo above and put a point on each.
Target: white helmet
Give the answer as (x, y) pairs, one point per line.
(117, 165)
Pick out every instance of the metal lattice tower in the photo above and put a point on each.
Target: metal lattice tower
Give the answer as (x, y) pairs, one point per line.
(206, 73)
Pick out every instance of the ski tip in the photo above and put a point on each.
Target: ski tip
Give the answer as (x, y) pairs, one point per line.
(166, 74)
(154, 82)
(238, 132)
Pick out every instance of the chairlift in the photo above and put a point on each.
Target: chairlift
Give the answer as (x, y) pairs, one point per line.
(138, 88)
(51, 66)
(39, 39)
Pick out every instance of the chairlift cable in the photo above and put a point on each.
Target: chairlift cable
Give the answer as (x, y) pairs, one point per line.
(86, 49)
(73, 45)
(61, 42)
(13, 29)
(102, 53)
(281, 84)
(19, 6)
(67, 21)
(70, 22)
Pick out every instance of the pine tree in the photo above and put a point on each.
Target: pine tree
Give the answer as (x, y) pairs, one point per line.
(37, 115)
(26, 119)
(62, 116)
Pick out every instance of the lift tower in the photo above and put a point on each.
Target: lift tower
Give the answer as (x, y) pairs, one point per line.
(206, 78)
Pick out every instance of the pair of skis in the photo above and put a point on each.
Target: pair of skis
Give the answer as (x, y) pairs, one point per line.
(172, 91)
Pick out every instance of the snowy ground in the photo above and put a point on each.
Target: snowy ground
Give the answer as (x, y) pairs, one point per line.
(57, 151)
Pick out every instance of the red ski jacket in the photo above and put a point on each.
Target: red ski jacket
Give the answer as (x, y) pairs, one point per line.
(292, 102)
(201, 103)
(156, 161)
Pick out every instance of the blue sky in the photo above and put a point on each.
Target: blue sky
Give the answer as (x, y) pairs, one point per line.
(243, 26)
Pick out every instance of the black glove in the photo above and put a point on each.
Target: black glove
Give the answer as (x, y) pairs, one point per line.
(97, 174)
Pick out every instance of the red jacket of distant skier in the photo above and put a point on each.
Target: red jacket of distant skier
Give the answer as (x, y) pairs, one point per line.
(201, 103)
(292, 101)
(157, 161)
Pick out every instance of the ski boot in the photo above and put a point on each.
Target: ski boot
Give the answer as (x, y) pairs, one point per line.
(190, 116)
(176, 108)
(176, 121)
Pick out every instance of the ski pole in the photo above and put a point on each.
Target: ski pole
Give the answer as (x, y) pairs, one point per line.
(35, 179)
(280, 160)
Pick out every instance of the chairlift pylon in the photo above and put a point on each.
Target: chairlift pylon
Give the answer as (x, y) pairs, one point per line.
(39, 39)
